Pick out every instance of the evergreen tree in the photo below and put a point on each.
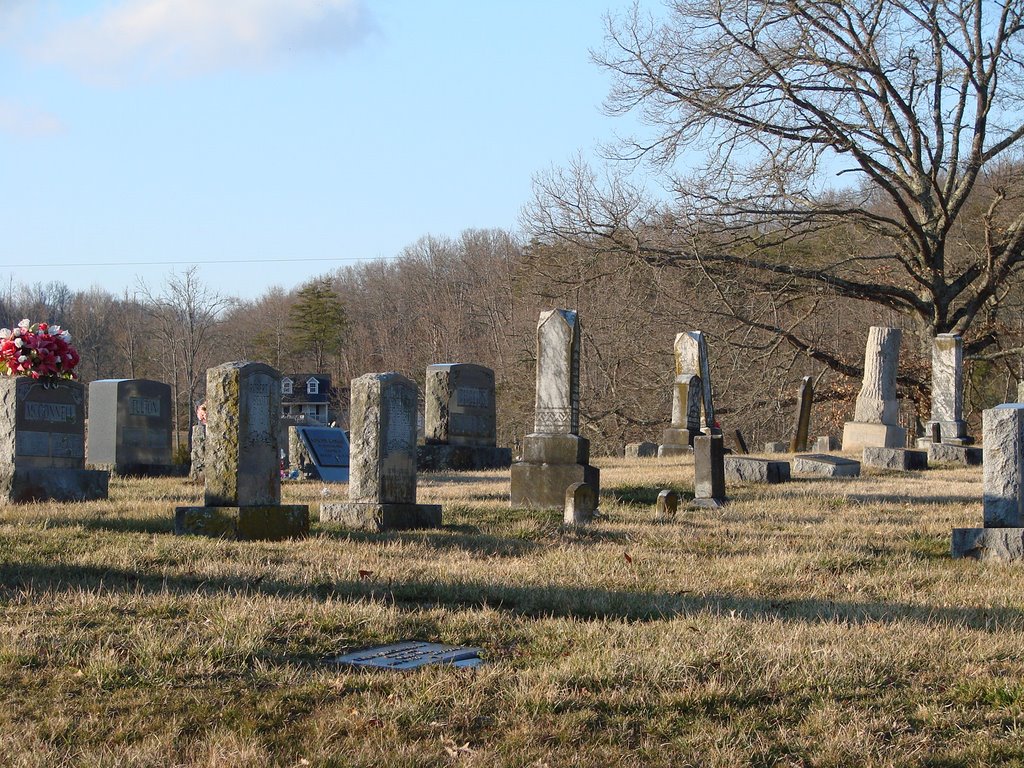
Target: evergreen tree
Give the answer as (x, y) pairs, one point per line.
(316, 322)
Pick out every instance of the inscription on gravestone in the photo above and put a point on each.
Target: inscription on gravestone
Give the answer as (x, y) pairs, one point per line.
(143, 406)
(259, 411)
(130, 426)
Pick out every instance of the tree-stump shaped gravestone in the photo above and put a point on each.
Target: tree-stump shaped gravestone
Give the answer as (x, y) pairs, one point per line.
(875, 418)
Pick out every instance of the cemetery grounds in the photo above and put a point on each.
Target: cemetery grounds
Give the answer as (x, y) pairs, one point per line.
(817, 622)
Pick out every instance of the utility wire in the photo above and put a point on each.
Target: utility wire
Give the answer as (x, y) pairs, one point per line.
(197, 263)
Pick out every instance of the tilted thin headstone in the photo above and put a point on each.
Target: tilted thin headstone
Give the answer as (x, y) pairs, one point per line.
(804, 401)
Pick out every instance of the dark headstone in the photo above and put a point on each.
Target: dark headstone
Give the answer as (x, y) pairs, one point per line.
(804, 400)
(327, 449)
(709, 471)
(130, 426)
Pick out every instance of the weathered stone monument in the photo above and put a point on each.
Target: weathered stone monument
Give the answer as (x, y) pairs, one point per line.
(824, 465)
(902, 459)
(691, 348)
(197, 469)
(804, 401)
(580, 504)
(460, 421)
(130, 427)
(875, 418)
(947, 392)
(687, 393)
(667, 505)
(709, 471)
(242, 472)
(382, 459)
(642, 450)
(554, 454)
(42, 442)
(1002, 537)
(825, 443)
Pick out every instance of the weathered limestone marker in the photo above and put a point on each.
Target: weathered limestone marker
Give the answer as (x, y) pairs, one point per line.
(642, 450)
(1002, 538)
(709, 471)
(554, 455)
(42, 442)
(903, 459)
(948, 391)
(667, 506)
(382, 459)
(804, 400)
(686, 402)
(691, 348)
(460, 422)
(824, 465)
(130, 426)
(875, 418)
(243, 479)
(197, 470)
(580, 504)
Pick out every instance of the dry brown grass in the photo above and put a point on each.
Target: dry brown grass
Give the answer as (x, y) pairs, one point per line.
(813, 623)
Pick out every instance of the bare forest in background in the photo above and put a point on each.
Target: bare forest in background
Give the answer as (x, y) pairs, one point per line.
(476, 299)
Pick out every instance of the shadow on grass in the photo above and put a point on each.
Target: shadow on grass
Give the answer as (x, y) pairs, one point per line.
(912, 498)
(640, 495)
(528, 601)
(466, 538)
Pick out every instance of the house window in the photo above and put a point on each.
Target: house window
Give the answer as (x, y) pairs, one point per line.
(312, 387)
(286, 386)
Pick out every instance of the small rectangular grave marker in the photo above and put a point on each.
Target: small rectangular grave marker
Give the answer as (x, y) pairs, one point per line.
(410, 655)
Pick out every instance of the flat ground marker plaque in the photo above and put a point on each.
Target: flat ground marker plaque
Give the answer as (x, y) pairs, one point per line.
(410, 655)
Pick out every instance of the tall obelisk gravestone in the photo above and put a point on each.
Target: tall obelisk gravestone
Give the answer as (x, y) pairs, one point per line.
(947, 391)
(691, 349)
(243, 477)
(875, 418)
(554, 455)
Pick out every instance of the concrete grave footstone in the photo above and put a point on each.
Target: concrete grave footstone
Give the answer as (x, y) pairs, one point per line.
(197, 468)
(945, 453)
(875, 418)
(903, 459)
(709, 471)
(580, 504)
(948, 390)
(667, 505)
(554, 455)
(327, 450)
(1002, 537)
(42, 441)
(643, 450)
(824, 465)
(744, 469)
(130, 427)
(242, 464)
(825, 443)
(804, 401)
(776, 446)
(382, 459)
(460, 422)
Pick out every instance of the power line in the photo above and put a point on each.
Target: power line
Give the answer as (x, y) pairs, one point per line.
(198, 263)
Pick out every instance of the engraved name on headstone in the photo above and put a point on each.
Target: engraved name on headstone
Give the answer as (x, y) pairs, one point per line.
(130, 425)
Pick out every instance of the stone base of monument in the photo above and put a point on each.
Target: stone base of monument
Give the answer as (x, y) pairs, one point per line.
(674, 449)
(859, 434)
(1006, 544)
(944, 453)
(742, 469)
(641, 450)
(710, 503)
(823, 465)
(924, 442)
(142, 470)
(550, 464)
(376, 516)
(895, 458)
(677, 442)
(446, 458)
(272, 522)
(53, 484)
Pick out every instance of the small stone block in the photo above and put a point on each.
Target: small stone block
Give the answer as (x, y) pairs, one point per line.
(776, 446)
(370, 516)
(674, 449)
(641, 450)
(895, 458)
(257, 523)
(1005, 544)
(945, 453)
(580, 504)
(668, 505)
(823, 465)
(858, 435)
(825, 443)
(742, 469)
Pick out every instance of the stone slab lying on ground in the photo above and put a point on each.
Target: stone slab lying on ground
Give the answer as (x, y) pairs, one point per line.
(743, 469)
(641, 450)
(370, 516)
(1006, 544)
(823, 465)
(955, 454)
(895, 458)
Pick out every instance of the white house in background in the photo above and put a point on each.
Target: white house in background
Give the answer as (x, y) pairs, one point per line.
(306, 395)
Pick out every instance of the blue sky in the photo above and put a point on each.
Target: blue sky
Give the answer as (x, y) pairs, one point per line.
(138, 132)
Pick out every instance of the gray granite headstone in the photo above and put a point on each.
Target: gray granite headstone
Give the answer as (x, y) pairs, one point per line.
(709, 471)
(130, 426)
(667, 506)
(580, 504)
(459, 407)
(197, 470)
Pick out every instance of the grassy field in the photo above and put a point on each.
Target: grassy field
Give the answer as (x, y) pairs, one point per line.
(813, 623)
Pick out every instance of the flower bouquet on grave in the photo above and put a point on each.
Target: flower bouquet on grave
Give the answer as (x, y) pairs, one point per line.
(38, 350)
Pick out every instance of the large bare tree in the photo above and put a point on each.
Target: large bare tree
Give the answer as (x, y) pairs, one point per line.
(861, 150)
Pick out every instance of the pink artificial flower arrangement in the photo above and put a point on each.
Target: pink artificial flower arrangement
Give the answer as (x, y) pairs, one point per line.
(37, 350)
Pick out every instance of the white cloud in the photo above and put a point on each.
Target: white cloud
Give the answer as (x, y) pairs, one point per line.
(135, 39)
(21, 120)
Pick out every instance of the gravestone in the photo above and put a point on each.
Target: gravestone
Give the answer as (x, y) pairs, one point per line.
(947, 391)
(130, 427)
(776, 446)
(741, 444)
(643, 450)
(745, 469)
(580, 504)
(1020, 391)
(42, 442)
(691, 351)
(804, 401)
(903, 459)
(1002, 537)
(242, 464)
(824, 465)
(460, 424)
(197, 468)
(875, 418)
(298, 455)
(687, 392)
(554, 455)
(946, 453)
(382, 459)
(327, 452)
(825, 443)
(709, 471)
(668, 505)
